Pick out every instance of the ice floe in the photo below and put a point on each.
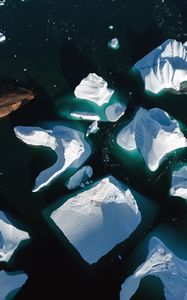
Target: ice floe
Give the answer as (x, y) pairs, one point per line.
(80, 177)
(179, 183)
(98, 218)
(92, 128)
(95, 89)
(114, 43)
(165, 67)
(11, 283)
(154, 134)
(10, 238)
(162, 263)
(69, 144)
(2, 37)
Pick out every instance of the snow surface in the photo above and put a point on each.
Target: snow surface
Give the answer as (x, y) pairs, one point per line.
(165, 67)
(95, 89)
(162, 263)
(81, 176)
(69, 144)
(179, 183)
(10, 282)
(154, 134)
(10, 238)
(98, 218)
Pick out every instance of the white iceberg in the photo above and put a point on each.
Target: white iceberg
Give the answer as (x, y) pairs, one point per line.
(10, 238)
(10, 282)
(92, 128)
(95, 89)
(2, 37)
(114, 111)
(85, 116)
(162, 263)
(98, 218)
(154, 134)
(114, 44)
(69, 144)
(81, 176)
(179, 183)
(165, 67)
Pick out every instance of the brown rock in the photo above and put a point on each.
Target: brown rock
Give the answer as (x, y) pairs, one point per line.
(12, 100)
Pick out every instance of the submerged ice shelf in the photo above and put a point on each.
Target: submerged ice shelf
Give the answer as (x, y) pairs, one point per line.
(98, 218)
(179, 183)
(10, 282)
(10, 238)
(165, 67)
(71, 148)
(162, 263)
(154, 134)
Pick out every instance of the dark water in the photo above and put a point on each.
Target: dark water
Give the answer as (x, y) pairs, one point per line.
(51, 46)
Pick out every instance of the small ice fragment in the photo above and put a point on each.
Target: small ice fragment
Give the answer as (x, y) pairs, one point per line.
(80, 177)
(93, 128)
(113, 44)
(2, 37)
(111, 27)
(179, 183)
(2, 2)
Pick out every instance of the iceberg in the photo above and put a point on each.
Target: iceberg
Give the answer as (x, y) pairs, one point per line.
(11, 283)
(71, 148)
(165, 67)
(114, 111)
(81, 176)
(162, 263)
(98, 218)
(10, 238)
(2, 36)
(95, 89)
(85, 116)
(114, 44)
(92, 128)
(179, 183)
(154, 134)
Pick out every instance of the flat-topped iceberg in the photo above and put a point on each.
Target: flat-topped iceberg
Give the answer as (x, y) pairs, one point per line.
(10, 238)
(154, 134)
(165, 67)
(162, 263)
(69, 144)
(10, 283)
(98, 218)
(94, 88)
(80, 177)
(179, 183)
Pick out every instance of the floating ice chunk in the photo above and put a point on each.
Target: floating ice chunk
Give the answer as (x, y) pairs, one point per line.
(154, 134)
(2, 37)
(179, 183)
(10, 282)
(165, 67)
(81, 176)
(99, 218)
(111, 27)
(92, 128)
(114, 44)
(85, 116)
(95, 89)
(10, 238)
(2, 2)
(162, 263)
(69, 144)
(114, 111)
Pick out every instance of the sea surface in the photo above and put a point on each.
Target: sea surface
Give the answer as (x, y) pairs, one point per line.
(50, 46)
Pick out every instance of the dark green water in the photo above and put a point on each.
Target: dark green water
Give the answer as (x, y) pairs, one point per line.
(51, 45)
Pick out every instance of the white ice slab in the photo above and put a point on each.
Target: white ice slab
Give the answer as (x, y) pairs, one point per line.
(165, 67)
(179, 183)
(154, 134)
(92, 128)
(85, 116)
(114, 111)
(81, 176)
(69, 144)
(10, 238)
(99, 218)
(10, 282)
(94, 88)
(162, 263)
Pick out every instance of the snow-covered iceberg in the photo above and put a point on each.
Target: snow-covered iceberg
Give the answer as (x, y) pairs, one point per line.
(165, 67)
(92, 128)
(114, 44)
(94, 88)
(179, 183)
(154, 134)
(69, 144)
(80, 177)
(98, 218)
(10, 238)
(162, 263)
(10, 283)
